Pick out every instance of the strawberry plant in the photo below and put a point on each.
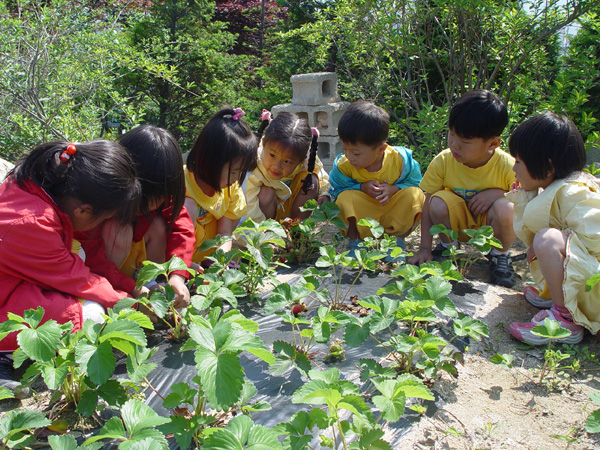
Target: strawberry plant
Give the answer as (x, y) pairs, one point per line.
(17, 427)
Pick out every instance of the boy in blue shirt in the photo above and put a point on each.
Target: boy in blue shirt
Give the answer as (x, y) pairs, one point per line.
(373, 179)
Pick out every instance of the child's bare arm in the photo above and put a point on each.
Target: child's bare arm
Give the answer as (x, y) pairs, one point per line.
(192, 209)
(225, 227)
(424, 252)
(483, 201)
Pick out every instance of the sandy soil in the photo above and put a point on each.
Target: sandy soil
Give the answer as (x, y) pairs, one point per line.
(491, 407)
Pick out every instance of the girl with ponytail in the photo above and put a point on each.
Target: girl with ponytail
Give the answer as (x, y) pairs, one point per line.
(288, 173)
(219, 160)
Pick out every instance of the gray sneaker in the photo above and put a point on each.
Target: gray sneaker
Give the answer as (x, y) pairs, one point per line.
(7, 379)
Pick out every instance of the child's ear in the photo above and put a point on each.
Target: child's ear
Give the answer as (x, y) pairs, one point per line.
(381, 148)
(83, 211)
(494, 143)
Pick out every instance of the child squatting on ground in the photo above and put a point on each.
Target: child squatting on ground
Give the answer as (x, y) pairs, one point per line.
(56, 189)
(224, 151)
(161, 229)
(465, 184)
(373, 179)
(557, 215)
(284, 180)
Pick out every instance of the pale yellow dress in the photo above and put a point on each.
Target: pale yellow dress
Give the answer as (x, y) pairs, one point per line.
(573, 206)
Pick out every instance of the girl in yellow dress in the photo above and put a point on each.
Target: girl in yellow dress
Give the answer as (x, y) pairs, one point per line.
(288, 173)
(221, 156)
(557, 215)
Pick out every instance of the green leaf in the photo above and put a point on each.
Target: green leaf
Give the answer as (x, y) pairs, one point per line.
(9, 326)
(87, 404)
(113, 393)
(262, 438)
(550, 329)
(222, 439)
(593, 281)
(355, 335)
(68, 442)
(6, 393)
(159, 303)
(136, 416)
(182, 429)
(54, 376)
(42, 343)
(446, 307)
(180, 393)
(370, 368)
(592, 424)
(124, 330)
(203, 337)
(222, 377)
(391, 408)
(97, 362)
(19, 420)
(473, 327)
(144, 444)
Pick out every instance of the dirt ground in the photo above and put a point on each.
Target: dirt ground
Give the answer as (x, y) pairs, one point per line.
(492, 407)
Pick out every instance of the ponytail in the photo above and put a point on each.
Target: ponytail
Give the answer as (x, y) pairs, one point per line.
(308, 181)
(265, 120)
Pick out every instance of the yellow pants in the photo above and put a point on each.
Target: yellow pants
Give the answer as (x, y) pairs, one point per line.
(135, 258)
(397, 217)
(461, 217)
(203, 233)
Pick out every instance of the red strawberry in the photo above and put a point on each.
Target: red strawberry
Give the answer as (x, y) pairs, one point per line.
(298, 308)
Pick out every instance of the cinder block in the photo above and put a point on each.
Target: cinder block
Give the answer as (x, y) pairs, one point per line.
(312, 89)
(324, 117)
(329, 148)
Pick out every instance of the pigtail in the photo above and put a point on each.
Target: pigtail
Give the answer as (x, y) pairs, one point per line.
(265, 120)
(307, 182)
(48, 165)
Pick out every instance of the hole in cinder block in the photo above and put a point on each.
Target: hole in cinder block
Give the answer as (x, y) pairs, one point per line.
(303, 115)
(324, 150)
(322, 120)
(328, 88)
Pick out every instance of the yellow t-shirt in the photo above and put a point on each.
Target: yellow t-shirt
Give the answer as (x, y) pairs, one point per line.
(391, 168)
(445, 173)
(230, 202)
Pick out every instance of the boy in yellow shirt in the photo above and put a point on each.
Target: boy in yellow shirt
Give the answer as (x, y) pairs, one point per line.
(373, 179)
(465, 184)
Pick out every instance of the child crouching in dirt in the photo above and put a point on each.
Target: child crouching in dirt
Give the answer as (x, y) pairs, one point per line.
(557, 215)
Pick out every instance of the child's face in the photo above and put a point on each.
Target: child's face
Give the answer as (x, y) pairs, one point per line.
(526, 181)
(364, 156)
(230, 173)
(473, 152)
(84, 220)
(279, 162)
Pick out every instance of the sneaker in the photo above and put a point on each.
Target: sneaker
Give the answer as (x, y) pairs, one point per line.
(522, 331)
(7, 379)
(438, 252)
(502, 272)
(532, 295)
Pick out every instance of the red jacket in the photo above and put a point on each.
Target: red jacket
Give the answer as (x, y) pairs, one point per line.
(180, 242)
(37, 267)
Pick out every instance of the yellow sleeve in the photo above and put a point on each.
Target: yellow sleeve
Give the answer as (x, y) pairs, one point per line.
(253, 185)
(323, 178)
(433, 180)
(237, 202)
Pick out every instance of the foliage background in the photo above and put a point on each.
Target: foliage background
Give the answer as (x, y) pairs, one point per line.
(70, 66)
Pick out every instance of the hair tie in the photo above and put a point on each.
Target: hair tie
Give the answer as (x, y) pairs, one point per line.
(238, 113)
(67, 153)
(266, 115)
(314, 131)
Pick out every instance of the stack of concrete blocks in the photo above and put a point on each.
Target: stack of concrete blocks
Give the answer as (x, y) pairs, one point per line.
(316, 99)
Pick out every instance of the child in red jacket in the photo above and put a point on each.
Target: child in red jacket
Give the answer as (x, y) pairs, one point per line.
(161, 229)
(57, 189)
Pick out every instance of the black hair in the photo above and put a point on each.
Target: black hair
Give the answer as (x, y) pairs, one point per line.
(478, 114)
(289, 131)
(548, 142)
(364, 123)
(159, 164)
(100, 173)
(223, 140)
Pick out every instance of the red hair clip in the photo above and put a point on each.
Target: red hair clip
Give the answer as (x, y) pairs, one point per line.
(67, 153)
(238, 113)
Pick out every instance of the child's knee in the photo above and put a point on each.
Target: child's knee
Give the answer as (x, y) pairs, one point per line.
(157, 229)
(438, 210)
(267, 195)
(549, 239)
(501, 210)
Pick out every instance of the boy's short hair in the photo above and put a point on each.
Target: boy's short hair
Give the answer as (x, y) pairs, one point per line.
(365, 123)
(478, 114)
(548, 142)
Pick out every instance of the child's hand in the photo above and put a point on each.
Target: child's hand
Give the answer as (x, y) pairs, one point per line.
(516, 186)
(483, 201)
(322, 199)
(371, 188)
(387, 191)
(177, 282)
(422, 256)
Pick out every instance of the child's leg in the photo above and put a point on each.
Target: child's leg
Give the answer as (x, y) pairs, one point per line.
(267, 201)
(549, 245)
(439, 214)
(352, 232)
(117, 240)
(302, 198)
(156, 240)
(500, 218)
